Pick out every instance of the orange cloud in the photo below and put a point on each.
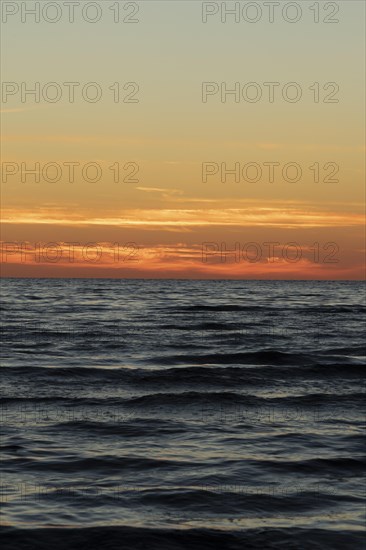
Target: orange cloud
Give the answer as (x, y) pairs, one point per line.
(285, 217)
(163, 261)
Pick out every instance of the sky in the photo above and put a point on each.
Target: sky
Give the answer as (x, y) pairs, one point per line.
(180, 160)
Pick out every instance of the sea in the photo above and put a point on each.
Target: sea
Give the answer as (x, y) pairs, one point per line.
(180, 414)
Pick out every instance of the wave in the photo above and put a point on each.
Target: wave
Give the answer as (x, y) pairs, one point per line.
(103, 463)
(138, 538)
(318, 466)
(267, 357)
(223, 375)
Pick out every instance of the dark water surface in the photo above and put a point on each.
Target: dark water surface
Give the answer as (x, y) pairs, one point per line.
(182, 414)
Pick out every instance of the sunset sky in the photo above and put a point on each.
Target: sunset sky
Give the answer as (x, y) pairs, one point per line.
(159, 222)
